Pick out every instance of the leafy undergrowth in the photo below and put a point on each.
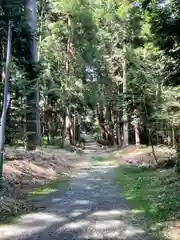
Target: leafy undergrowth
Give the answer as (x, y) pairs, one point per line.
(156, 194)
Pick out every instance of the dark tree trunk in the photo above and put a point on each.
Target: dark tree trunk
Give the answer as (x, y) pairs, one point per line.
(31, 75)
(101, 118)
(109, 128)
(118, 129)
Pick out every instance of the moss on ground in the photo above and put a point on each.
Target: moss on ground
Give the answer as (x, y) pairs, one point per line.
(155, 193)
(102, 160)
(60, 184)
(99, 158)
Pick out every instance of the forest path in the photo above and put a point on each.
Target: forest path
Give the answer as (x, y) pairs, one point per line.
(92, 209)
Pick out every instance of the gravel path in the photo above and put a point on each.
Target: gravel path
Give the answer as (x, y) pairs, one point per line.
(91, 209)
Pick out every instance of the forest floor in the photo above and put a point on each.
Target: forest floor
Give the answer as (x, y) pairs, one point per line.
(35, 173)
(154, 192)
(93, 206)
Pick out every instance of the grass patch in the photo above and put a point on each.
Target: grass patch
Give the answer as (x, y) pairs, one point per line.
(102, 161)
(15, 207)
(99, 158)
(60, 184)
(156, 193)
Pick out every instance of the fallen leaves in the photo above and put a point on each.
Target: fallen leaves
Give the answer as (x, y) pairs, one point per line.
(25, 170)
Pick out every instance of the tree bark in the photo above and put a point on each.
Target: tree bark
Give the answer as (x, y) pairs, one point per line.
(69, 130)
(118, 129)
(6, 100)
(101, 119)
(136, 129)
(63, 132)
(109, 127)
(125, 115)
(33, 113)
(3, 59)
(173, 137)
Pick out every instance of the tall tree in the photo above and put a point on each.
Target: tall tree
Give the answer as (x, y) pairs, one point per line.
(6, 99)
(33, 119)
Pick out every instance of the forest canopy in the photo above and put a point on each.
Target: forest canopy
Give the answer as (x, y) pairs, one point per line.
(115, 63)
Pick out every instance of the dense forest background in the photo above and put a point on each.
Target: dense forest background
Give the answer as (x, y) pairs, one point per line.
(105, 66)
(93, 73)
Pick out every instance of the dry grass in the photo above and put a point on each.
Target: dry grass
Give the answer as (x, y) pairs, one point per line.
(142, 155)
(173, 230)
(37, 167)
(25, 171)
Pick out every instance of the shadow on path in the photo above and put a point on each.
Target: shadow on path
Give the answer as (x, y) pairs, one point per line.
(91, 209)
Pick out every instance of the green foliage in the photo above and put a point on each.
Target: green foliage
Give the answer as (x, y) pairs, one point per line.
(82, 140)
(170, 107)
(86, 50)
(177, 166)
(98, 158)
(44, 141)
(166, 35)
(9, 206)
(155, 193)
(82, 47)
(61, 184)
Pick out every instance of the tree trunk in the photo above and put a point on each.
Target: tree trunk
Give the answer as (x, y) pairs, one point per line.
(38, 111)
(5, 101)
(173, 137)
(136, 129)
(33, 114)
(63, 132)
(169, 138)
(109, 127)
(3, 60)
(76, 128)
(69, 70)
(38, 118)
(125, 115)
(152, 147)
(118, 130)
(69, 129)
(137, 137)
(101, 119)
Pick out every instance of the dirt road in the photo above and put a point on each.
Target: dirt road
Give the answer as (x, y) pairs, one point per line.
(92, 209)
